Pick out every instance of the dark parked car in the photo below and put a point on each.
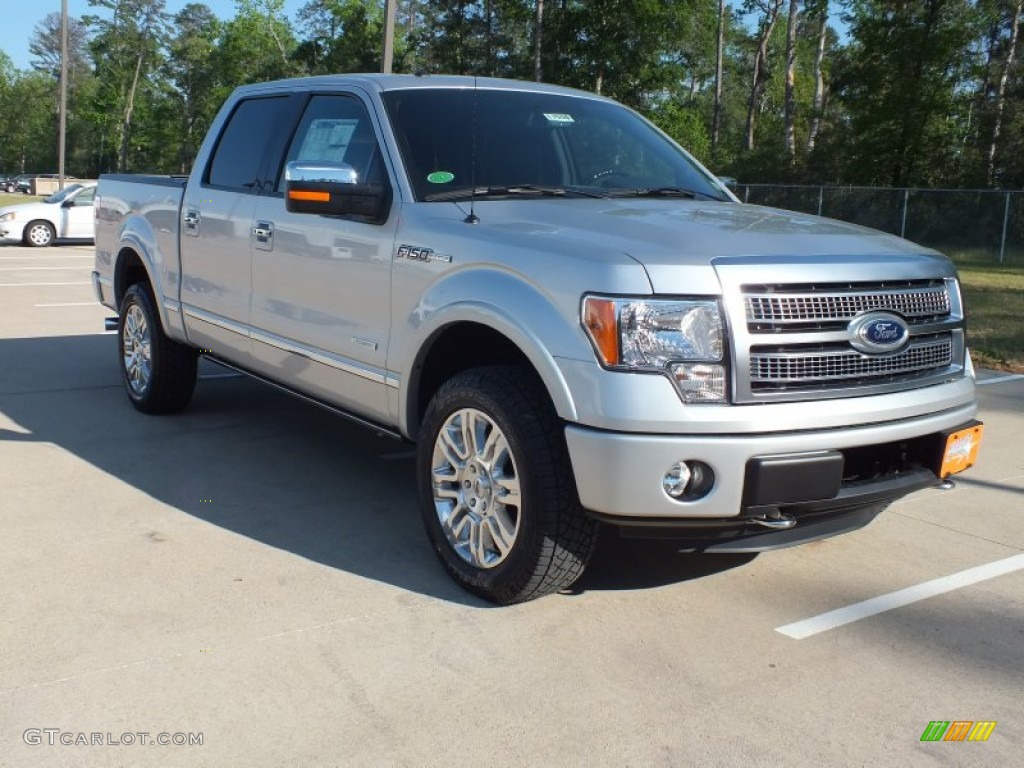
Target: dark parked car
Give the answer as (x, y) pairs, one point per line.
(9, 183)
(25, 180)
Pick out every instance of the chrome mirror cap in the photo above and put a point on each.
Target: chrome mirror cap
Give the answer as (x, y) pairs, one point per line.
(331, 173)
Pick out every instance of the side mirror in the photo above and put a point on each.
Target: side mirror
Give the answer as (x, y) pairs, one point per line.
(729, 182)
(333, 189)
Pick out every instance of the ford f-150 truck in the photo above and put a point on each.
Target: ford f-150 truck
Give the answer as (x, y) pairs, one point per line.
(573, 320)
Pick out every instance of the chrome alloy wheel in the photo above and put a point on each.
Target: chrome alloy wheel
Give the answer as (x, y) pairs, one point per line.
(138, 348)
(476, 488)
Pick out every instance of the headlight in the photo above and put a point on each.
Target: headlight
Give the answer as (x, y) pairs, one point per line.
(9, 216)
(684, 339)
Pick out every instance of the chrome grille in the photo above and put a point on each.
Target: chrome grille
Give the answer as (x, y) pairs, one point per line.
(771, 370)
(771, 307)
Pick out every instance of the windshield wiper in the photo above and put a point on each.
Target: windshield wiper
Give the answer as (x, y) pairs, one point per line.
(662, 192)
(512, 190)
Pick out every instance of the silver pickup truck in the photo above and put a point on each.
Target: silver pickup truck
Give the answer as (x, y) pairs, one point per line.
(573, 320)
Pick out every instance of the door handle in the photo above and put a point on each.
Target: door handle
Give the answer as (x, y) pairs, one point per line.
(191, 220)
(263, 231)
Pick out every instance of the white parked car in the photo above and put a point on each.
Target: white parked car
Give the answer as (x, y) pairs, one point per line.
(65, 215)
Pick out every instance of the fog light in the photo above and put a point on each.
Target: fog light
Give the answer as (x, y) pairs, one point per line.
(699, 382)
(676, 479)
(688, 480)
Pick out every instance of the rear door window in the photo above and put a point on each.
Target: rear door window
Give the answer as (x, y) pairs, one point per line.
(252, 130)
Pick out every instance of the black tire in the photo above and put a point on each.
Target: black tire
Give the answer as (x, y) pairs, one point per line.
(171, 377)
(39, 234)
(554, 538)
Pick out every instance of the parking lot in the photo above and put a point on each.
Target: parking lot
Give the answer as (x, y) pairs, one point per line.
(254, 571)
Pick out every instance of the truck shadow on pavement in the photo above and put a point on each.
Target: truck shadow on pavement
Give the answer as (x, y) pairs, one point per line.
(264, 465)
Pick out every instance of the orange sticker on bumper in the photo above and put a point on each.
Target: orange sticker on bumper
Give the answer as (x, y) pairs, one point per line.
(961, 450)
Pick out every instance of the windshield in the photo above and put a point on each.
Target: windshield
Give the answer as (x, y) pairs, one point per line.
(60, 197)
(526, 139)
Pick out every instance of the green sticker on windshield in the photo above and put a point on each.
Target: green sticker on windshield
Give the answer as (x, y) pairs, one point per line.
(440, 177)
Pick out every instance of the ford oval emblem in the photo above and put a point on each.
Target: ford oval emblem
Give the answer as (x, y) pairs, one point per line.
(878, 332)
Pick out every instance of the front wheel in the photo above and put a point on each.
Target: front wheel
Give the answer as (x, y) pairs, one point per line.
(39, 234)
(159, 374)
(497, 492)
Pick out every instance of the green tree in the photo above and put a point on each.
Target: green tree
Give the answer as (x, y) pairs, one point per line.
(903, 70)
(193, 78)
(126, 50)
(343, 36)
(258, 44)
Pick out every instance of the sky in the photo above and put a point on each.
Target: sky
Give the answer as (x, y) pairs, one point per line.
(19, 17)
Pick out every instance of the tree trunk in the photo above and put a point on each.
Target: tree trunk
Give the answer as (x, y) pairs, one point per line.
(538, 35)
(489, 37)
(760, 74)
(819, 77)
(716, 119)
(1011, 50)
(126, 123)
(790, 108)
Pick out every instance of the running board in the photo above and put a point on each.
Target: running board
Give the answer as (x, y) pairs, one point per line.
(378, 428)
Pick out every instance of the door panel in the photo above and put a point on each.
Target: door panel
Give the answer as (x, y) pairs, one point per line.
(322, 284)
(78, 216)
(216, 217)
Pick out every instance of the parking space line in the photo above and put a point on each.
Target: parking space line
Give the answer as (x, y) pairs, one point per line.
(72, 304)
(37, 256)
(29, 285)
(822, 623)
(33, 269)
(1000, 379)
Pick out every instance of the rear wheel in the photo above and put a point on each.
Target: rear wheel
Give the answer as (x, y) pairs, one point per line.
(159, 374)
(39, 234)
(497, 492)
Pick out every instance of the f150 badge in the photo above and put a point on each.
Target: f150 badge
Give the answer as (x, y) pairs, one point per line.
(415, 253)
(878, 332)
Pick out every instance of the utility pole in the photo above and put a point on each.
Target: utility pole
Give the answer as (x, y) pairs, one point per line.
(63, 117)
(389, 36)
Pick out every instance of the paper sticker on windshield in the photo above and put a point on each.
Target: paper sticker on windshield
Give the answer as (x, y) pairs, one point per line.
(440, 177)
(559, 118)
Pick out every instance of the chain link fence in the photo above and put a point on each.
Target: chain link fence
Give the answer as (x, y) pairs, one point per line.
(967, 225)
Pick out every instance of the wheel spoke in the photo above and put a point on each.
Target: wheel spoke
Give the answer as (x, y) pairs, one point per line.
(502, 531)
(494, 440)
(456, 521)
(471, 427)
(510, 496)
(446, 443)
(477, 547)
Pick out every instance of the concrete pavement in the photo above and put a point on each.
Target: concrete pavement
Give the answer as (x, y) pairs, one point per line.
(254, 571)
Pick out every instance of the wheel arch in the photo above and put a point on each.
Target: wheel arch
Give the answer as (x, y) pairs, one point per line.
(137, 262)
(492, 340)
(129, 269)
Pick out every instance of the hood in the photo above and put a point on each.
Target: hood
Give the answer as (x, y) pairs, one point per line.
(24, 211)
(672, 237)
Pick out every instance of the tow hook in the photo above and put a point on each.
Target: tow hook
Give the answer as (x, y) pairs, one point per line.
(779, 521)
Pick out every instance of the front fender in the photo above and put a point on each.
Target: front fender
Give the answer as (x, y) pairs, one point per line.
(540, 328)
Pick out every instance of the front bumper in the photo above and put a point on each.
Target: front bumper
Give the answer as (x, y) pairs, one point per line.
(12, 231)
(803, 474)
